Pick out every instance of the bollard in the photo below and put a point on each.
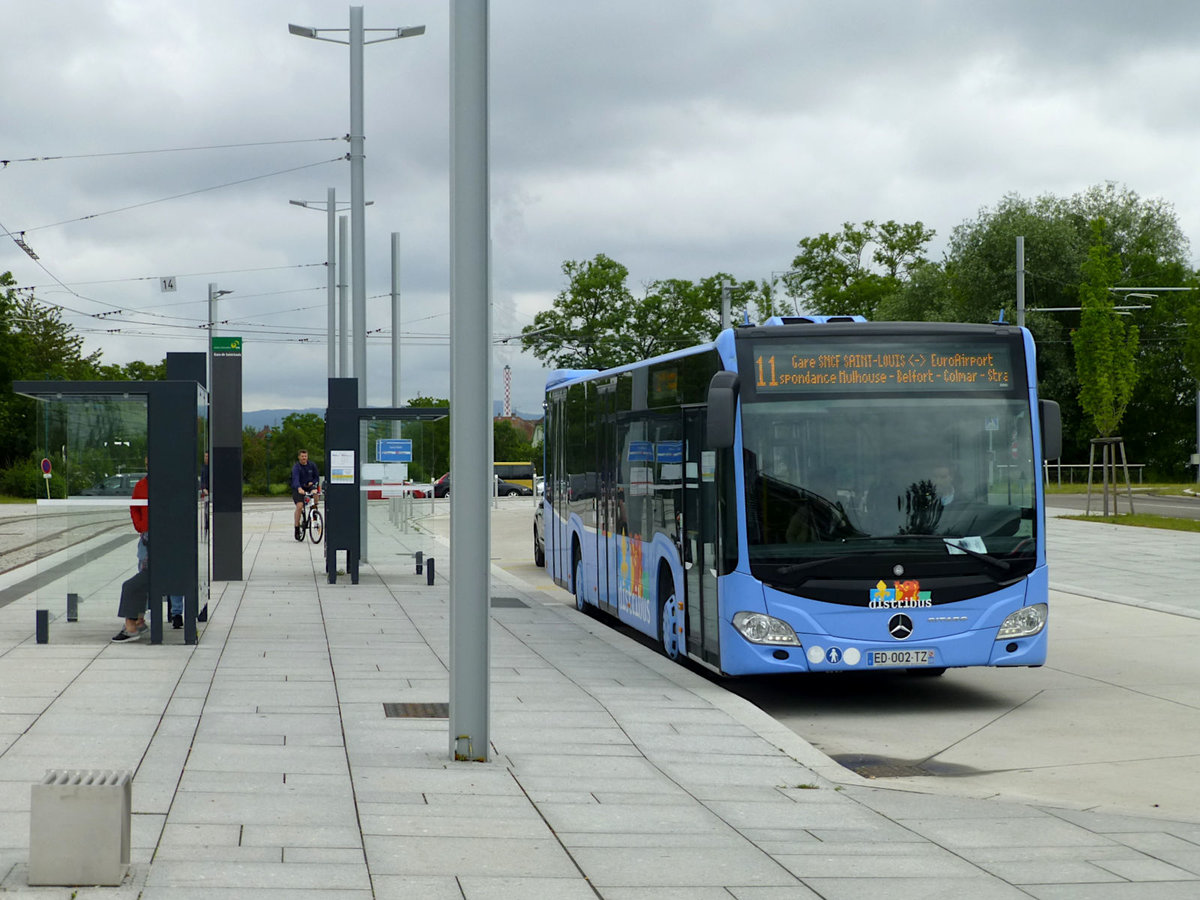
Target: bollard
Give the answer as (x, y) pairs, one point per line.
(79, 827)
(419, 556)
(43, 626)
(72, 607)
(429, 571)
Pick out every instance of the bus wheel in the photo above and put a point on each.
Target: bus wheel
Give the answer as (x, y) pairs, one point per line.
(669, 627)
(580, 604)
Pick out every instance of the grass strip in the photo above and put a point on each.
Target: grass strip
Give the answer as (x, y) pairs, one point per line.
(1142, 520)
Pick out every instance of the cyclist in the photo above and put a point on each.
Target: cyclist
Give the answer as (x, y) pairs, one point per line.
(304, 482)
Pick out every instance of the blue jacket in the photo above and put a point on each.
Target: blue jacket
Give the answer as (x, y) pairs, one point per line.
(304, 474)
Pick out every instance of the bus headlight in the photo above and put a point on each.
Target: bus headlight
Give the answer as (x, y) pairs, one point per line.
(1025, 622)
(760, 628)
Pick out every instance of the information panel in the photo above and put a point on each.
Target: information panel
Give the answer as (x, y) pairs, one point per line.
(884, 364)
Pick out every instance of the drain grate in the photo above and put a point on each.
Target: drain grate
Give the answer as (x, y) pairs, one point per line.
(870, 766)
(417, 710)
(509, 602)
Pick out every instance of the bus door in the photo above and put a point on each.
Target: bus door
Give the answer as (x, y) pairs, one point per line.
(606, 498)
(700, 530)
(558, 488)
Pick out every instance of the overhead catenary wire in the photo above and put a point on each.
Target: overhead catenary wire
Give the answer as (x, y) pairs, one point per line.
(4, 163)
(215, 187)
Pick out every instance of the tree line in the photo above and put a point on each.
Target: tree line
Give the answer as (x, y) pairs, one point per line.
(1135, 371)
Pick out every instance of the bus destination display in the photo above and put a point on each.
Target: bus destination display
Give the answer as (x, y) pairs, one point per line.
(884, 366)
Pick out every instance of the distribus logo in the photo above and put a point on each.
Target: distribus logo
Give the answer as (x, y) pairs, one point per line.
(631, 588)
(902, 595)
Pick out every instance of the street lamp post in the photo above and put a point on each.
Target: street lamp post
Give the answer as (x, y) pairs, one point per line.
(358, 252)
(213, 296)
(331, 264)
(330, 276)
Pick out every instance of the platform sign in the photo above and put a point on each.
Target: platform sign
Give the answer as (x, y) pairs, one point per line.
(669, 451)
(226, 346)
(393, 450)
(341, 466)
(641, 451)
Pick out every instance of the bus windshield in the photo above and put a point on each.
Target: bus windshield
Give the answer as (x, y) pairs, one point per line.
(948, 477)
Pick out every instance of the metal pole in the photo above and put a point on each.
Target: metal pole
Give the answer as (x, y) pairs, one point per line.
(343, 306)
(358, 223)
(331, 280)
(212, 330)
(1021, 281)
(395, 318)
(726, 290)
(397, 425)
(470, 355)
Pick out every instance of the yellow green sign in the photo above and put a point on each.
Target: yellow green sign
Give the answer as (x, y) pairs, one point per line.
(226, 344)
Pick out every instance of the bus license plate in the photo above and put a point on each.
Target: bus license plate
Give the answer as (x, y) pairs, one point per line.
(903, 658)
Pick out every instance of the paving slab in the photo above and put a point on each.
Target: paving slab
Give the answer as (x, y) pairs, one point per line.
(266, 767)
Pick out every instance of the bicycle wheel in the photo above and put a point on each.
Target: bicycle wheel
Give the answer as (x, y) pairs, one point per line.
(316, 527)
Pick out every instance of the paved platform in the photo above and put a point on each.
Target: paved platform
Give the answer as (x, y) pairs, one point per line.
(265, 765)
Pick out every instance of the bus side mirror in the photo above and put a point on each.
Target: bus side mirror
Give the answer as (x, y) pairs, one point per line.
(722, 410)
(1051, 417)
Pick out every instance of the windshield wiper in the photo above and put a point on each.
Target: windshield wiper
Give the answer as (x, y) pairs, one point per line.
(949, 542)
(793, 568)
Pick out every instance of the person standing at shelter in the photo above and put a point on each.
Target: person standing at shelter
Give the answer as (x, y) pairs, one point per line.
(304, 481)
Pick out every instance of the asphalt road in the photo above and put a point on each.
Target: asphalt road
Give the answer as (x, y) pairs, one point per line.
(1178, 507)
(1111, 723)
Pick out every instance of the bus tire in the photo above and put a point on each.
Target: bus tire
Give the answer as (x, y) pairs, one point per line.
(580, 603)
(539, 552)
(668, 636)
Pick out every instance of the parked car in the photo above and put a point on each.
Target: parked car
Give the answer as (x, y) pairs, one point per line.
(512, 489)
(441, 488)
(114, 485)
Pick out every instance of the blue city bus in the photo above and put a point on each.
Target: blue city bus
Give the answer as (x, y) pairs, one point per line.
(812, 494)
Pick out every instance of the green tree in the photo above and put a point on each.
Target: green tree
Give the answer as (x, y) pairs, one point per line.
(853, 271)
(511, 445)
(1105, 347)
(597, 323)
(298, 431)
(431, 442)
(133, 371)
(1191, 339)
(675, 313)
(586, 327)
(254, 459)
(980, 281)
(37, 345)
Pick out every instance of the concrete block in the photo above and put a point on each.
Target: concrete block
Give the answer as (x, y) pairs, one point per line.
(79, 827)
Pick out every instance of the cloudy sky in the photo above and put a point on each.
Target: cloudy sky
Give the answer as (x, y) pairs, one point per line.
(680, 137)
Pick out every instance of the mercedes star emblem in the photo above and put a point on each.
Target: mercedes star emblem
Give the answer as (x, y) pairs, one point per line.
(900, 627)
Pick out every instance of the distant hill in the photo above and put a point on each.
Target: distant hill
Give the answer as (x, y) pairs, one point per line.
(259, 419)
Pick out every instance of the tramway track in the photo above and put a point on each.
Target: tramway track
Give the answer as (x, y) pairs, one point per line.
(25, 529)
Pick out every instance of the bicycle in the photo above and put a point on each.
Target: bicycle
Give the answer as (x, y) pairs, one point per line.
(312, 522)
